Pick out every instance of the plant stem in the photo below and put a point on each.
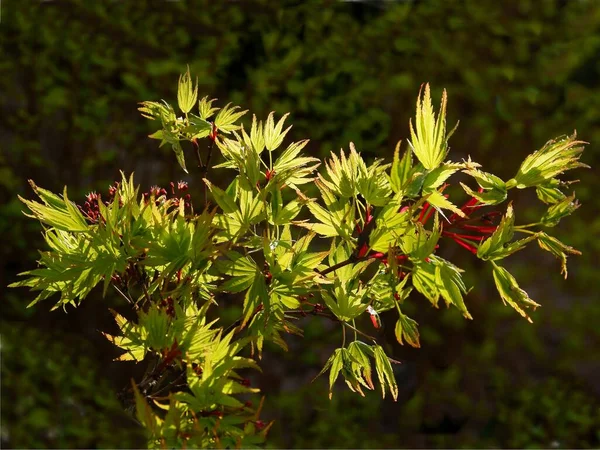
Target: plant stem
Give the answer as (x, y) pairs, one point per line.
(339, 265)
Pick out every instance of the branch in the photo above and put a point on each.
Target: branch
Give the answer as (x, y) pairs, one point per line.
(351, 260)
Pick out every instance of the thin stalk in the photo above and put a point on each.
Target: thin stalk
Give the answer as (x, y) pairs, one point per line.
(522, 230)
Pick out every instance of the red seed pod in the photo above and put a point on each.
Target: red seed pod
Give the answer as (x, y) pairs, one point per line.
(259, 424)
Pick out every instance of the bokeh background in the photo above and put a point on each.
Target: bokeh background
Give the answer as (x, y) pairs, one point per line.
(517, 73)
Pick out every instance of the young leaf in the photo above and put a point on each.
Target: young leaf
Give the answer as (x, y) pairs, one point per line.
(437, 176)
(58, 213)
(385, 372)
(450, 284)
(187, 94)
(555, 157)
(439, 202)
(273, 135)
(494, 188)
(401, 169)
(206, 109)
(226, 118)
(407, 328)
(494, 245)
(428, 136)
(559, 210)
(226, 202)
(549, 192)
(557, 248)
(510, 291)
(424, 281)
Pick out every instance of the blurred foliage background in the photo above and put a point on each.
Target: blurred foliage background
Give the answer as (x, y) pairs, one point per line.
(517, 74)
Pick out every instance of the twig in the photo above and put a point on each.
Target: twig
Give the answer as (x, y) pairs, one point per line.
(350, 260)
(130, 300)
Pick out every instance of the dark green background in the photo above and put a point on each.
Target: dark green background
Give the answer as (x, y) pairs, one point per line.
(517, 73)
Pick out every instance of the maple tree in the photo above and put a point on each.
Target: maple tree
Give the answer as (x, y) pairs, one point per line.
(382, 224)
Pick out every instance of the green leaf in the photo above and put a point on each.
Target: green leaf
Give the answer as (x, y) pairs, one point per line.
(494, 246)
(224, 200)
(428, 137)
(557, 248)
(549, 192)
(256, 295)
(56, 212)
(361, 366)
(435, 178)
(242, 269)
(198, 128)
(334, 362)
(419, 243)
(439, 202)
(494, 188)
(179, 155)
(273, 136)
(559, 210)
(226, 118)
(450, 284)
(187, 95)
(206, 109)
(401, 169)
(424, 281)
(408, 329)
(143, 410)
(555, 157)
(510, 291)
(385, 372)
(288, 213)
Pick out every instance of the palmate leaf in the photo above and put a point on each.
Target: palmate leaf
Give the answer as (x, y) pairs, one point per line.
(385, 372)
(436, 177)
(420, 243)
(336, 220)
(273, 134)
(401, 169)
(549, 192)
(555, 157)
(439, 202)
(226, 118)
(510, 291)
(55, 212)
(256, 139)
(450, 284)
(187, 94)
(561, 209)
(494, 188)
(557, 248)
(206, 109)
(428, 136)
(343, 173)
(407, 329)
(291, 168)
(498, 245)
(373, 184)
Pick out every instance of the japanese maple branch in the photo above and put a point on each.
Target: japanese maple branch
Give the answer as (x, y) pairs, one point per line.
(351, 260)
